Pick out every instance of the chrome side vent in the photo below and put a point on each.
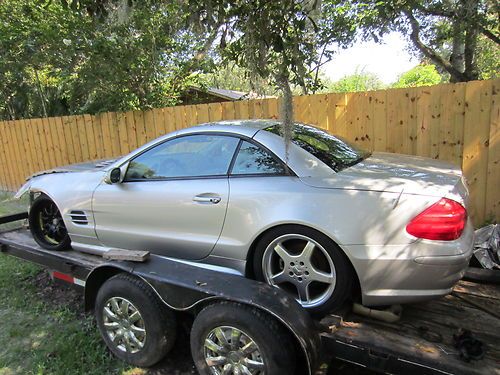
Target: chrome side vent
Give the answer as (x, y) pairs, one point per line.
(79, 217)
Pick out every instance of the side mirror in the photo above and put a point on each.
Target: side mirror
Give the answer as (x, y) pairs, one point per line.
(114, 176)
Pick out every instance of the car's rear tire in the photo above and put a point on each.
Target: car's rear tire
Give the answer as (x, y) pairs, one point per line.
(47, 225)
(135, 325)
(232, 338)
(306, 263)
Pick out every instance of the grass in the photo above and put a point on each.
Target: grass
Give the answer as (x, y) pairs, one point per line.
(38, 336)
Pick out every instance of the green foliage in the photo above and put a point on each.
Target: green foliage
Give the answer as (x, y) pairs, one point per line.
(446, 33)
(283, 42)
(488, 58)
(232, 77)
(66, 57)
(421, 75)
(359, 81)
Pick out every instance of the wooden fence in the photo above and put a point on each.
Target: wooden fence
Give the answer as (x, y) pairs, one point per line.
(454, 122)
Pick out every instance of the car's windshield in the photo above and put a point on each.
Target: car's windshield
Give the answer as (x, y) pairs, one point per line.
(334, 151)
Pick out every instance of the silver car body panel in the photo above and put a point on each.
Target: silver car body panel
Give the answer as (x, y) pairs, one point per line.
(363, 208)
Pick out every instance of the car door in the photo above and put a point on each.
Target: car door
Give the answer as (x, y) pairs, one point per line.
(173, 198)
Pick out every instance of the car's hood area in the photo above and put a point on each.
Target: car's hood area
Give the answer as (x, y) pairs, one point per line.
(394, 173)
(95, 165)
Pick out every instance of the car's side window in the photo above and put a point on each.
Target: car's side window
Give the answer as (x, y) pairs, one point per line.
(189, 156)
(252, 159)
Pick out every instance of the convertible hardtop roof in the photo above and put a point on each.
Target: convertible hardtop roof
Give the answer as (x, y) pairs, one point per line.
(254, 123)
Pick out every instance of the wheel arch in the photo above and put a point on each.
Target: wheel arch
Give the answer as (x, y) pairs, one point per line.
(249, 269)
(95, 279)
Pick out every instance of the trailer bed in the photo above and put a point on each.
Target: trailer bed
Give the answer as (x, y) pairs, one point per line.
(421, 342)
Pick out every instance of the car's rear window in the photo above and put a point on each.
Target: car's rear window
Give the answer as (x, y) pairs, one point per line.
(334, 151)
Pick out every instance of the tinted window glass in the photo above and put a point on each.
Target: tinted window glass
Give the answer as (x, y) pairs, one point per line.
(334, 151)
(252, 159)
(190, 156)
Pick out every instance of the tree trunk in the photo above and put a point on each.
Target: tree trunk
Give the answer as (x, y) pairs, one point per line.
(457, 60)
(286, 112)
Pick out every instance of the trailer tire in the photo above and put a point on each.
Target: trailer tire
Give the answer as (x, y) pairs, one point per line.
(135, 325)
(213, 328)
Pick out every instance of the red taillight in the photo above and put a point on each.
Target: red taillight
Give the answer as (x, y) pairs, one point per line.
(444, 220)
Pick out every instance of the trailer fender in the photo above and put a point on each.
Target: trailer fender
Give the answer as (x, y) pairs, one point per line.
(97, 277)
(185, 287)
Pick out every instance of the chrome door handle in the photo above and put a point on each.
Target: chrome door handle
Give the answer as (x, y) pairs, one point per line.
(204, 199)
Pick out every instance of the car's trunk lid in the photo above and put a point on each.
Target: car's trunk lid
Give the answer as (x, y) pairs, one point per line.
(397, 173)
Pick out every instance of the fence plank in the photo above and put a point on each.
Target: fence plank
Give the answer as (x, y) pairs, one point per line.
(158, 122)
(228, 112)
(75, 133)
(21, 166)
(105, 138)
(423, 117)
(337, 114)
(214, 112)
(446, 130)
(379, 114)
(40, 153)
(56, 139)
(476, 135)
(131, 130)
(114, 131)
(493, 174)
(7, 176)
(202, 114)
(140, 128)
(412, 131)
(15, 149)
(121, 119)
(149, 125)
(98, 136)
(63, 142)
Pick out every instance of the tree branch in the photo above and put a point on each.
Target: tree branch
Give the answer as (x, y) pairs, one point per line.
(487, 33)
(429, 52)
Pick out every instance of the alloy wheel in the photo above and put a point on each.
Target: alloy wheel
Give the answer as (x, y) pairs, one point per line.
(300, 265)
(124, 325)
(229, 350)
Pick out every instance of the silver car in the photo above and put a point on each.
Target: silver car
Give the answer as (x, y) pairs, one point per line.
(320, 218)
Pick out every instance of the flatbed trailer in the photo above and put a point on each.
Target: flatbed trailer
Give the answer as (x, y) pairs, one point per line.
(421, 342)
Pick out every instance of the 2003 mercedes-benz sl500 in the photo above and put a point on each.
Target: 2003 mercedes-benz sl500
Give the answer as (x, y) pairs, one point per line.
(320, 218)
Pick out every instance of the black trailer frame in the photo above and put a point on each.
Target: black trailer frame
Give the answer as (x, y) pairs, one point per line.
(420, 344)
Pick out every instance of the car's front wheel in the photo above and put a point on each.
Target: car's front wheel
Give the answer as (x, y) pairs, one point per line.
(47, 225)
(307, 264)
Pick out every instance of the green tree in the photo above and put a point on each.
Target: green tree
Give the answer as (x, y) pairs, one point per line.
(232, 77)
(66, 57)
(284, 42)
(359, 81)
(446, 32)
(488, 58)
(421, 75)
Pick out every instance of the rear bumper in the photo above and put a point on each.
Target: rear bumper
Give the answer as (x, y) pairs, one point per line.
(412, 272)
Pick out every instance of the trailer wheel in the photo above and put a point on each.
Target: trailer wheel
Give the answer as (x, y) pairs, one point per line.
(133, 322)
(230, 338)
